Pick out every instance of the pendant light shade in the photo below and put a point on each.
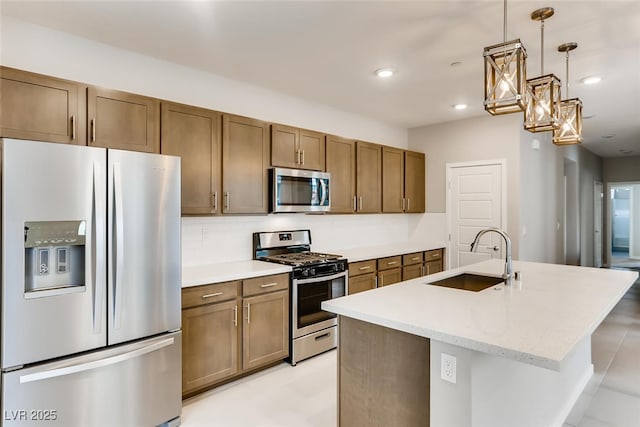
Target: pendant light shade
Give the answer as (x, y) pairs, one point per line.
(505, 75)
(570, 129)
(542, 111)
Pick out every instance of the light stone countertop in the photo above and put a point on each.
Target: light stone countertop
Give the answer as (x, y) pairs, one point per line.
(382, 251)
(538, 320)
(223, 272)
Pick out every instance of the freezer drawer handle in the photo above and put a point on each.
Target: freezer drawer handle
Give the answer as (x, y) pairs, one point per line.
(96, 364)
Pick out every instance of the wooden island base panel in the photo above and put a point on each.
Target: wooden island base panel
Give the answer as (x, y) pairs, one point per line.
(398, 394)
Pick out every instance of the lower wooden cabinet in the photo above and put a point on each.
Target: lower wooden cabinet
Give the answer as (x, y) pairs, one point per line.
(389, 277)
(265, 335)
(232, 328)
(209, 344)
(432, 267)
(363, 282)
(411, 271)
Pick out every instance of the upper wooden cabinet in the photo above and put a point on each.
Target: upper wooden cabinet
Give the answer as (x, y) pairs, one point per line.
(297, 148)
(194, 134)
(123, 120)
(368, 177)
(414, 191)
(41, 108)
(341, 164)
(245, 159)
(392, 180)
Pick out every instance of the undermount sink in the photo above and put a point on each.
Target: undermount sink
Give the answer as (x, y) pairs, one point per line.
(468, 282)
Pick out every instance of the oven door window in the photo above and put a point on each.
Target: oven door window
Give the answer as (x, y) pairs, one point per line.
(310, 297)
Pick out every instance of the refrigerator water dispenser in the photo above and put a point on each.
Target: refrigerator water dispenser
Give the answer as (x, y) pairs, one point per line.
(54, 255)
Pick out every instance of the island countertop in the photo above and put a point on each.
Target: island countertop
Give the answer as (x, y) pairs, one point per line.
(538, 320)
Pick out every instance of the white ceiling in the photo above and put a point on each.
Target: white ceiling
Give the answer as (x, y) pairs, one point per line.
(326, 51)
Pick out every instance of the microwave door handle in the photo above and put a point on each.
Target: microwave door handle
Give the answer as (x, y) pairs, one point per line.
(323, 190)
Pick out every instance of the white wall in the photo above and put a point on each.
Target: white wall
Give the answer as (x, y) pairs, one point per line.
(479, 138)
(541, 210)
(634, 223)
(216, 239)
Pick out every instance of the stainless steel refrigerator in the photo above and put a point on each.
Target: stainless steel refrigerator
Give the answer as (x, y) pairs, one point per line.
(90, 259)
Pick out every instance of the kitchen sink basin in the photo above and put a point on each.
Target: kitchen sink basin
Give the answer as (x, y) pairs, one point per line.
(468, 282)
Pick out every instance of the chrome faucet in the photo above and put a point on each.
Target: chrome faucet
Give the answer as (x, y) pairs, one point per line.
(508, 269)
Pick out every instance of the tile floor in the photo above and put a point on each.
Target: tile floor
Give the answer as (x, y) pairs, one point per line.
(305, 395)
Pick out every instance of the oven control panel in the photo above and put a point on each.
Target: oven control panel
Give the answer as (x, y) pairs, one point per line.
(319, 270)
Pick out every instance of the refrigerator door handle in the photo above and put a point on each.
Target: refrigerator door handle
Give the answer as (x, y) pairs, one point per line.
(99, 247)
(95, 364)
(119, 244)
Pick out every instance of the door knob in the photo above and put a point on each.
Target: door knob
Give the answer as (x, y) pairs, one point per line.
(495, 248)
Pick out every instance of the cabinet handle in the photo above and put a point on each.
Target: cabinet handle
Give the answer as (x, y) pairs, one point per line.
(73, 127)
(302, 162)
(376, 281)
(227, 202)
(299, 157)
(416, 258)
(235, 316)
(365, 267)
(361, 205)
(355, 203)
(214, 200)
(392, 262)
(381, 280)
(93, 129)
(408, 204)
(248, 313)
(403, 199)
(422, 270)
(216, 294)
(268, 285)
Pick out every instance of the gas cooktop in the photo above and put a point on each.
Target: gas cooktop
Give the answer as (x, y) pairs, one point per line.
(301, 258)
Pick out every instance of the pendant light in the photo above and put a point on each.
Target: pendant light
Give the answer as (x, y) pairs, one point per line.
(542, 112)
(505, 75)
(570, 130)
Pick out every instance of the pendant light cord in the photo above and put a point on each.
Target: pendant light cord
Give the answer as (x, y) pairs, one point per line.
(567, 76)
(504, 29)
(542, 47)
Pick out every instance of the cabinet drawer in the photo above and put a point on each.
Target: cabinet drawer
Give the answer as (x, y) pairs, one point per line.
(362, 267)
(390, 262)
(414, 258)
(260, 285)
(433, 255)
(207, 294)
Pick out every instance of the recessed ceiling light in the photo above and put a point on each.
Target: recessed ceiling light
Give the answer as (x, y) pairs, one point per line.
(588, 117)
(626, 152)
(455, 63)
(609, 136)
(459, 106)
(590, 80)
(384, 73)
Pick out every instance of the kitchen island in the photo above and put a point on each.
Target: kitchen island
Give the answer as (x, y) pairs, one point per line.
(520, 355)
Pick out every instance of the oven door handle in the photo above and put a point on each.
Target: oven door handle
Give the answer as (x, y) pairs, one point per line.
(320, 278)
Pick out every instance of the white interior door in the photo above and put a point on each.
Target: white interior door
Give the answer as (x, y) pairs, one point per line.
(476, 200)
(598, 196)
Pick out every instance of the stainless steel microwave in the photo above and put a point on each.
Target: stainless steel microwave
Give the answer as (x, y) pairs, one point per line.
(295, 190)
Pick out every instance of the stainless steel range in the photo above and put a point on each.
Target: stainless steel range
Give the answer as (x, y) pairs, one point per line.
(316, 277)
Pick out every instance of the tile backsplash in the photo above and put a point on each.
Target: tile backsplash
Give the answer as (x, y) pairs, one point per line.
(210, 240)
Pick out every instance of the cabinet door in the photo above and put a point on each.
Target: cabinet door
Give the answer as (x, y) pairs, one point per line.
(432, 267)
(123, 120)
(194, 135)
(41, 108)
(312, 150)
(392, 180)
(245, 163)
(362, 283)
(341, 164)
(389, 277)
(368, 177)
(284, 146)
(209, 344)
(414, 171)
(411, 271)
(265, 334)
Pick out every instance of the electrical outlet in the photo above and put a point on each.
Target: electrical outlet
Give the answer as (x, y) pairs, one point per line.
(448, 367)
